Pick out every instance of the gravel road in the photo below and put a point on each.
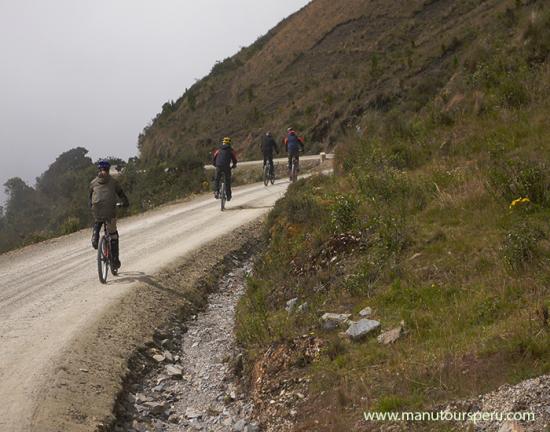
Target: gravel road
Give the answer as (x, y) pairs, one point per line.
(50, 293)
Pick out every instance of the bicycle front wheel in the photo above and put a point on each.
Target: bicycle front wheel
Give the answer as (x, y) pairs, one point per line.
(103, 253)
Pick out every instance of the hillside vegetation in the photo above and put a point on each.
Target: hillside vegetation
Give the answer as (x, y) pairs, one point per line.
(437, 216)
(322, 69)
(58, 203)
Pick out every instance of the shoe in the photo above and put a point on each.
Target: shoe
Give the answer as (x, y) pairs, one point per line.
(95, 235)
(216, 195)
(114, 253)
(228, 198)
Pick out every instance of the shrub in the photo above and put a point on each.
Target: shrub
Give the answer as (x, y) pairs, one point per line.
(520, 178)
(70, 225)
(343, 213)
(520, 245)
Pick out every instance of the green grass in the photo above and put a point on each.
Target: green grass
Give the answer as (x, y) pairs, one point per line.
(417, 223)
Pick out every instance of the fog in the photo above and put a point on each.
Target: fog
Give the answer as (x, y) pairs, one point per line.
(94, 73)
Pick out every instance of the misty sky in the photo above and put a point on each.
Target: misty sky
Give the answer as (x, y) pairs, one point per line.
(94, 73)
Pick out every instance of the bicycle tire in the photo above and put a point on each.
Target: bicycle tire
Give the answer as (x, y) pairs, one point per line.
(294, 172)
(266, 175)
(223, 193)
(102, 260)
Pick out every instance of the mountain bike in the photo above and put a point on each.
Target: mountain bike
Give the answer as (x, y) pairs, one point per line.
(295, 168)
(104, 256)
(269, 175)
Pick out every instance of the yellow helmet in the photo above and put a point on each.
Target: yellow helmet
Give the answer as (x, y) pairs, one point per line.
(227, 140)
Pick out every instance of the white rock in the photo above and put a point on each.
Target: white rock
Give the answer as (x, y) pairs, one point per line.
(192, 413)
(291, 305)
(168, 356)
(390, 336)
(332, 320)
(239, 426)
(366, 312)
(361, 328)
(159, 358)
(174, 371)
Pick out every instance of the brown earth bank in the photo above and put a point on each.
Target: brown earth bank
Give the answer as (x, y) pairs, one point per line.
(91, 373)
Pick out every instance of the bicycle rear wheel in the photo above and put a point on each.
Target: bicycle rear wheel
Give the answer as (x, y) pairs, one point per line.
(266, 174)
(103, 252)
(272, 176)
(294, 172)
(223, 193)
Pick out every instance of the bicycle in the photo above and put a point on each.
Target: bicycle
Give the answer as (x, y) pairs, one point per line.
(105, 257)
(268, 175)
(295, 168)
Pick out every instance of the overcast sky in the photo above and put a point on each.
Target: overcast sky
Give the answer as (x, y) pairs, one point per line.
(94, 73)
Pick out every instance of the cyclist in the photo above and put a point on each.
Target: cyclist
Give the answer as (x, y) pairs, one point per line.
(222, 159)
(293, 144)
(105, 192)
(268, 145)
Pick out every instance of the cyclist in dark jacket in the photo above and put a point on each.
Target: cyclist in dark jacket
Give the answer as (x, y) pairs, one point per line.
(222, 160)
(105, 192)
(268, 145)
(293, 144)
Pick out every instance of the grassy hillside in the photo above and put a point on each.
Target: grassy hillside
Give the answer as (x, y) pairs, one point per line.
(321, 69)
(423, 223)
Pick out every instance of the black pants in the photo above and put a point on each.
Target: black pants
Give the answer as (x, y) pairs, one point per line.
(227, 172)
(268, 158)
(290, 158)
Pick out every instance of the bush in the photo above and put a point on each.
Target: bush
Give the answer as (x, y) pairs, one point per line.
(343, 213)
(70, 225)
(520, 245)
(520, 178)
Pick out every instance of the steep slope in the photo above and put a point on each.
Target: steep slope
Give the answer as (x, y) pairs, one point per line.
(320, 69)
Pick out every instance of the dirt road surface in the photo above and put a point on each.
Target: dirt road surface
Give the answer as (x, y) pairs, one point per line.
(50, 296)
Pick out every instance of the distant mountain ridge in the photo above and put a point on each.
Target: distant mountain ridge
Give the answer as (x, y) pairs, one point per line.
(320, 70)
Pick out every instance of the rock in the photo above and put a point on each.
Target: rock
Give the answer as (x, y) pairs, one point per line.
(158, 388)
(237, 365)
(239, 426)
(174, 418)
(168, 356)
(359, 329)
(302, 307)
(365, 312)
(332, 320)
(192, 413)
(510, 426)
(291, 305)
(140, 397)
(155, 407)
(196, 425)
(390, 336)
(252, 427)
(159, 358)
(174, 371)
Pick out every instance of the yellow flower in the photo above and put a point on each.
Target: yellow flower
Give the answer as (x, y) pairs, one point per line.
(519, 201)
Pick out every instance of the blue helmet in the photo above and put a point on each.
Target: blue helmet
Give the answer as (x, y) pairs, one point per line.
(103, 164)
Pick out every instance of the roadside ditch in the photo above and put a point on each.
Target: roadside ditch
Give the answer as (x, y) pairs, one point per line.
(187, 377)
